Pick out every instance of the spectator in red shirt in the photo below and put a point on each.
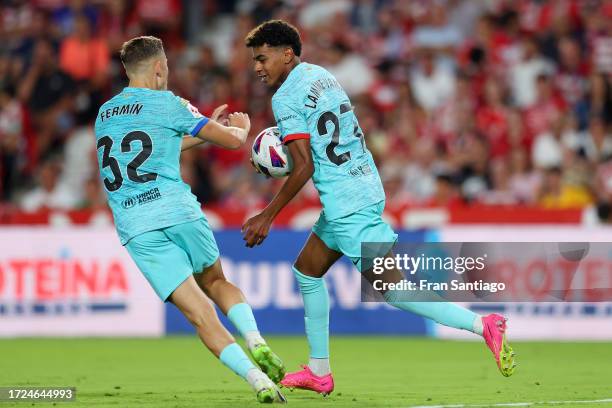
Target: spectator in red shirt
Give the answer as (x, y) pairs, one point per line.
(161, 18)
(492, 120)
(540, 116)
(446, 119)
(598, 33)
(446, 193)
(114, 24)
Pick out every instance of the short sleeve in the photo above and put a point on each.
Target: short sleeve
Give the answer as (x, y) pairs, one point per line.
(290, 121)
(184, 117)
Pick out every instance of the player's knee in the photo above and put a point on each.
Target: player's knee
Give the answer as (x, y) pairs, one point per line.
(199, 315)
(305, 268)
(196, 319)
(308, 283)
(209, 282)
(211, 276)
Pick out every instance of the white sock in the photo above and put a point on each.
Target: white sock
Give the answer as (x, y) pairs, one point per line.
(253, 338)
(256, 378)
(319, 366)
(477, 325)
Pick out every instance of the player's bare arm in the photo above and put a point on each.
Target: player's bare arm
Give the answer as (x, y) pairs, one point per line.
(189, 142)
(256, 229)
(230, 137)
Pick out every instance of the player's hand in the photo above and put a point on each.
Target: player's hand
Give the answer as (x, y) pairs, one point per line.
(254, 166)
(241, 120)
(256, 229)
(257, 168)
(218, 112)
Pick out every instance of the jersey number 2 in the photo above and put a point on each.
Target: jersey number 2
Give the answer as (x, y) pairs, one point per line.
(132, 167)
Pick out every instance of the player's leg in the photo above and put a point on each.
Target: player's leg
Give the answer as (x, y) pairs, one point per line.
(315, 259)
(197, 240)
(491, 327)
(198, 310)
(312, 263)
(350, 233)
(232, 303)
(168, 269)
(196, 307)
(428, 304)
(367, 225)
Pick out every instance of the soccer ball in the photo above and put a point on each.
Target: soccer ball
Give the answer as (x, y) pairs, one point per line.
(270, 155)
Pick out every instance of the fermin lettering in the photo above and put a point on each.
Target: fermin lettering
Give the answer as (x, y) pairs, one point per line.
(129, 109)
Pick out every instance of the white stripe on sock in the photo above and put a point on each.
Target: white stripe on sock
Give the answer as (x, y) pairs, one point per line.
(477, 325)
(319, 366)
(253, 338)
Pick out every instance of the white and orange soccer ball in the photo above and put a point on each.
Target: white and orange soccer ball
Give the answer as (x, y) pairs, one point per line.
(270, 156)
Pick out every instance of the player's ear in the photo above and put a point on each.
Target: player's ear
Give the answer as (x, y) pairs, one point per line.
(157, 67)
(288, 55)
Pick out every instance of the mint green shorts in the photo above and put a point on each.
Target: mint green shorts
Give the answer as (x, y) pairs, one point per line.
(168, 256)
(346, 234)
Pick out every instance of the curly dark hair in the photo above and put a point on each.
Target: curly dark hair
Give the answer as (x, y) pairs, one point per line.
(275, 33)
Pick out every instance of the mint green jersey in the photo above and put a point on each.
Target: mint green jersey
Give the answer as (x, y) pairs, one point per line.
(139, 134)
(312, 104)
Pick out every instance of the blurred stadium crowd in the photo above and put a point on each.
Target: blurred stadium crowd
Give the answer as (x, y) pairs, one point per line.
(481, 101)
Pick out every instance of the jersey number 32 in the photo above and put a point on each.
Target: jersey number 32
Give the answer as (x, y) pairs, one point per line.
(132, 167)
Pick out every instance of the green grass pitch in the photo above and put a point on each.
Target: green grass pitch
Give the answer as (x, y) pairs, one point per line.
(369, 372)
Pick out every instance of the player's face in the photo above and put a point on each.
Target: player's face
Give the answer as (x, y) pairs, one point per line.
(270, 64)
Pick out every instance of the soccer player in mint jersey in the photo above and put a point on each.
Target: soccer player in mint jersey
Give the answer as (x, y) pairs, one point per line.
(140, 135)
(316, 121)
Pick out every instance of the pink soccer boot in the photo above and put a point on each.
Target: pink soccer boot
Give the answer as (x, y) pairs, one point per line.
(494, 333)
(307, 380)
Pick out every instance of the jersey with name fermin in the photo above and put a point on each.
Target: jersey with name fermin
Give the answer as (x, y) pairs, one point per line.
(139, 134)
(312, 104)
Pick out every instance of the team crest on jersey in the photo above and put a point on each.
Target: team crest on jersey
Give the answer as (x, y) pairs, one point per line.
(192, 109)
(275, 158)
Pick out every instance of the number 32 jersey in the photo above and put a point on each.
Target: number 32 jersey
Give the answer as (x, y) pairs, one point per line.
(139, 134)
(312, 104)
